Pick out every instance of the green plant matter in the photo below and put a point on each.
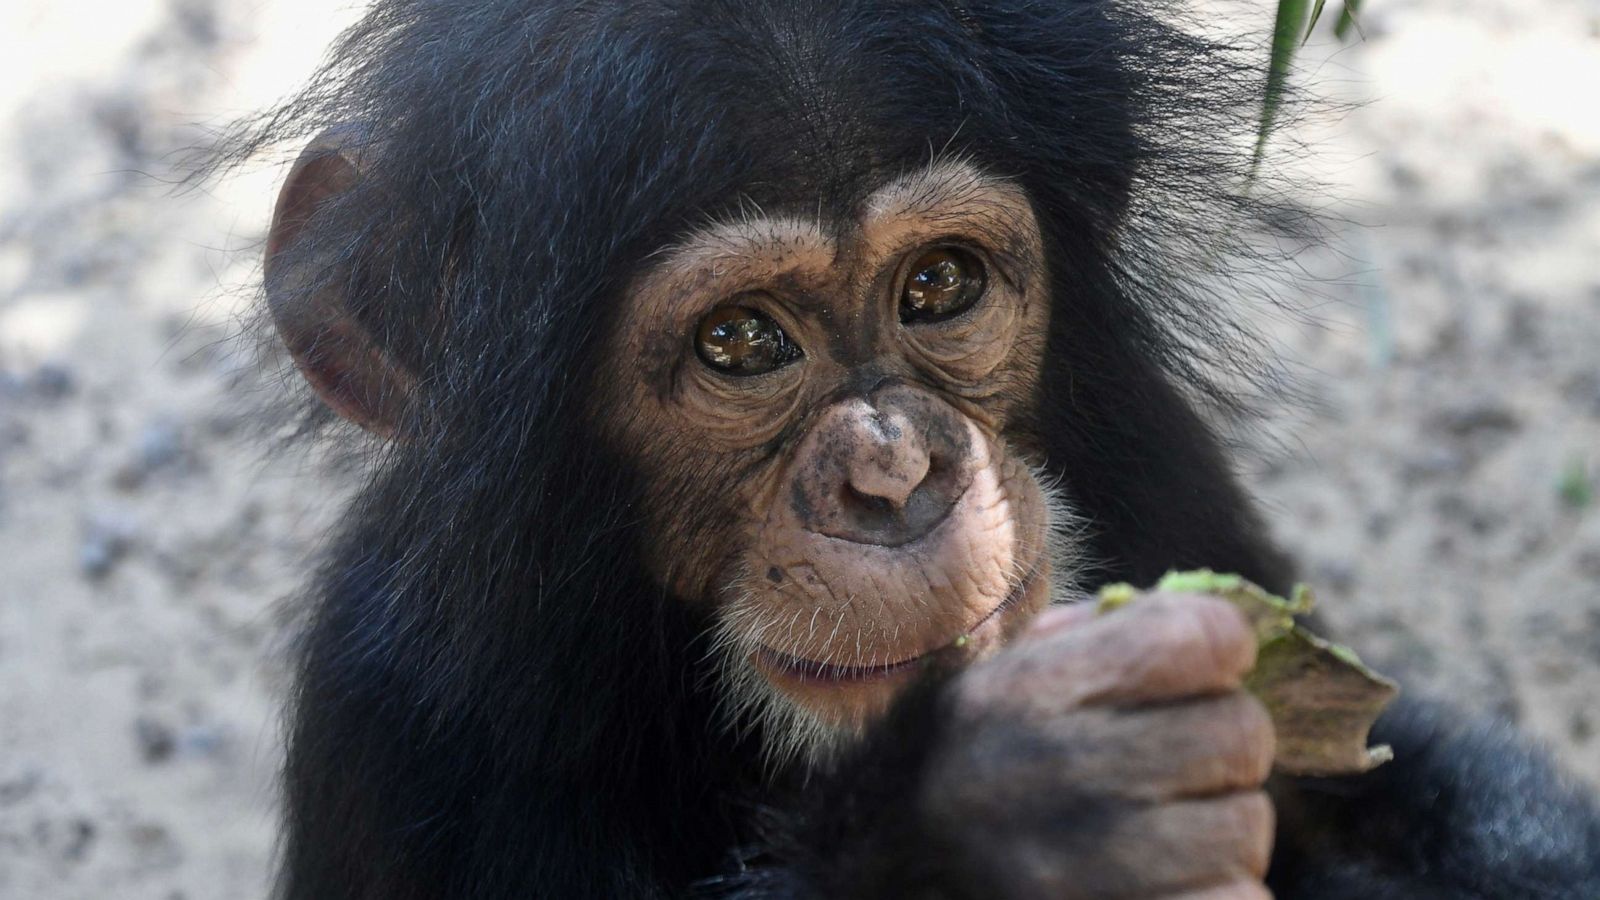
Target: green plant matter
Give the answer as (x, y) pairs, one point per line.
(1576, 487)
(1320, 696)
(1290, 30)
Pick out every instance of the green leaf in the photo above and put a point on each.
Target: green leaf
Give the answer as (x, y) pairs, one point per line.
(1286, 32)
(1316, 14)
(1347, 19)
(1321, 698)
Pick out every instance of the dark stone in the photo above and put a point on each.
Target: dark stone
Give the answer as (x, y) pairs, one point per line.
(156, 741)
(106, 541)
(52, 382)
(1484, 417)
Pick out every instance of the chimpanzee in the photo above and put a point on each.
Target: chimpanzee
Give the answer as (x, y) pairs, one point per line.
(748, 378)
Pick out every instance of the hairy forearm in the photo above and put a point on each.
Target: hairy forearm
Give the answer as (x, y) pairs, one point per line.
(1464, 810)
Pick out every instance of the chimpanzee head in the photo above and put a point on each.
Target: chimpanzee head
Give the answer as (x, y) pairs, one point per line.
(827, 304)
(832, 414)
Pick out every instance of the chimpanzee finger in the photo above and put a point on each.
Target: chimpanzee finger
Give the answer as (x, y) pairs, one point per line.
(1197, 748)
(1240, 889)
(1165, 647)
(1194, 844)
(1162, 648)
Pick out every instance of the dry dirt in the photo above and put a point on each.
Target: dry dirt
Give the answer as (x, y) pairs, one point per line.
(1439, 484)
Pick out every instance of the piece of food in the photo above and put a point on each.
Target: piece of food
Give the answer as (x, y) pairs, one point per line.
(1322, 700)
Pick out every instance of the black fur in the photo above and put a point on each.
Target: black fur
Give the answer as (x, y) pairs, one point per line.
(494, 700)
(1462, 812)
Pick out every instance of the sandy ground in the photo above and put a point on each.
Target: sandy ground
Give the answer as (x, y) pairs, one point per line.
(1439, 483)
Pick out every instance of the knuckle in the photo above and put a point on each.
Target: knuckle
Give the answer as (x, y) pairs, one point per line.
(1253, 820)
(1239, 889)
(1237, 740)
(1257, 736)
(1230, 642)
(1204, 633)
(989, 688)
(1246, 720)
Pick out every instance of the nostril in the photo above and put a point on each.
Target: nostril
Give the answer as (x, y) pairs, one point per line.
(906, 515)
(867, 505)
(892, 486)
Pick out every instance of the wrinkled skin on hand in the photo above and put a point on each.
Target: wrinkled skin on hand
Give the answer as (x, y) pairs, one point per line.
(1137, 718)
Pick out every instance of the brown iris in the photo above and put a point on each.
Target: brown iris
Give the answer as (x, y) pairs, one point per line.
(739, 340)
(943, 282)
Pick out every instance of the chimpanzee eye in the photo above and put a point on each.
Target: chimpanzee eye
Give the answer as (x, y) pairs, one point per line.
(739, 340)
(943, 282)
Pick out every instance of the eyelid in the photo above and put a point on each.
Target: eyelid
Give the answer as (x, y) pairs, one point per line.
(996, 262)
(748, 301)
(985, 235)
(978, 251)
(993, 260)
(761, 299)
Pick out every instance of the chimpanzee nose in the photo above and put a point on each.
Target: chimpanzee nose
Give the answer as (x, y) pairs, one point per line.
(892, 460)
(883, 469)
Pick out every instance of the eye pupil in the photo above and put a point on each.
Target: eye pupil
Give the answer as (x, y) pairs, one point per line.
(743, 341)
(943, 283)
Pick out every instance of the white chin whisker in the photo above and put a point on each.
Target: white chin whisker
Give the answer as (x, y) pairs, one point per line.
(748, 703)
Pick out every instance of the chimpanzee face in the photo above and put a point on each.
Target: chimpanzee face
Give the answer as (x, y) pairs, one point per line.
(825, 414)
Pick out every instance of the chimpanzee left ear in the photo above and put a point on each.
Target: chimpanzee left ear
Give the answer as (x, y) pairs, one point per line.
(307, 289)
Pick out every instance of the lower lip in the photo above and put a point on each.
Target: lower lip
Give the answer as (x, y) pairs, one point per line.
(807, 670)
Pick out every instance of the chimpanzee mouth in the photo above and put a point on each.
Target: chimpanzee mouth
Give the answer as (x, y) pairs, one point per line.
(810, 670)
(802, 669)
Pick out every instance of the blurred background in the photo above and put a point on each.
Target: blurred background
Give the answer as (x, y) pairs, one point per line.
(1438, 481)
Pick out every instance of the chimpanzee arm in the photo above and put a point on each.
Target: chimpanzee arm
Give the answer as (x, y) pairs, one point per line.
(866, 834)
(1049, 770)
(1463, 811)
(854, 833)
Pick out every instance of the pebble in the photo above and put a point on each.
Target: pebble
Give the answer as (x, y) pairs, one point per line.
(52, 381)
(1436, 461)
(1336, 575)
(1580, 728)
(1583, 391)
(1588, 563)
(1477, 418)
(154, 845)
(156, 741)
(159, 445)
(17, 789)
(203, 740)
(106, 540)
(79, 839)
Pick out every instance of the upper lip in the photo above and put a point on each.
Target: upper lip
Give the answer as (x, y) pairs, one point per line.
(814, 670)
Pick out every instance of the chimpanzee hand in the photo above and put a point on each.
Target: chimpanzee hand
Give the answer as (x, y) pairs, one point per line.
(1106, 757)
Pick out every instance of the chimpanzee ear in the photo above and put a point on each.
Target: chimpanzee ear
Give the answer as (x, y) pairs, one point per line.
(307, 289)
